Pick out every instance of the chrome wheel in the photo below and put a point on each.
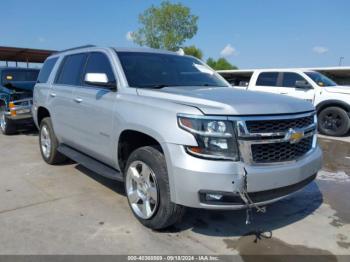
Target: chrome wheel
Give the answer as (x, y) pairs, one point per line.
(141, 189)
(45, 142)
(3, 122)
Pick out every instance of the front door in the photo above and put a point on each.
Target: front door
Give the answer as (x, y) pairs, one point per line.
(95, 106)
(289, 87)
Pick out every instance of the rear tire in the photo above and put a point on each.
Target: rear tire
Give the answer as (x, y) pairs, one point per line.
(333, 121)
(7, 127)
(49, 143)
(146, 170)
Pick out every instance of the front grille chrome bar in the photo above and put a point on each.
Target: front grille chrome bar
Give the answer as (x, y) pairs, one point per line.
(246, 139)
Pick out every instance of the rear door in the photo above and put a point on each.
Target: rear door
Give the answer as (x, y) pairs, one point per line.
(95, 106)
(64, 115)
(267, 82)
(289, 87)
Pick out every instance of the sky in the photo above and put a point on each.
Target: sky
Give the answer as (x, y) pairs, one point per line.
(249, 33)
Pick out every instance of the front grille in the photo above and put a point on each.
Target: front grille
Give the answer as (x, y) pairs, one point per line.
(273, 126)
(280, 152)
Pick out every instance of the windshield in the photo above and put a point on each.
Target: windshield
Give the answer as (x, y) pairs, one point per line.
(320, 79)
(151, 70)
(19, 75)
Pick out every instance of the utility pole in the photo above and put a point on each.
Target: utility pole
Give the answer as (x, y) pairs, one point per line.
(341, 60)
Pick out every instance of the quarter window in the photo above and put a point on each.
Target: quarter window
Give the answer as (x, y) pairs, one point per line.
(46, 70)
(289, 79)
(267, 79)
(99, 63)
(71, 69)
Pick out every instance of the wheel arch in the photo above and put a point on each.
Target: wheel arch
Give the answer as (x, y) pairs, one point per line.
(330, 103)
(131, 139)
(42, 113)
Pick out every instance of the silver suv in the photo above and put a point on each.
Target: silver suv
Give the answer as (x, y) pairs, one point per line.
(173, 131)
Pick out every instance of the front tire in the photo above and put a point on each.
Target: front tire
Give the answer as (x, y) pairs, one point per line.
(333, 121)
(148, 191)
(49, 143)
(6, 125)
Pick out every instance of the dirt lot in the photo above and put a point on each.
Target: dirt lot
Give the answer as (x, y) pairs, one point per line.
(70, 210)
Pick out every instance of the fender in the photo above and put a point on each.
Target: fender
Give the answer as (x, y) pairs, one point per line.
(333, 102)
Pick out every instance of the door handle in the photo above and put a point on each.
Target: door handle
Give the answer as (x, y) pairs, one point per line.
(78, 100)
(53, 94)
(284, 93)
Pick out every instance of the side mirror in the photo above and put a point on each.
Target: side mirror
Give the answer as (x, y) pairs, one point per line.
(99, 79)
(302, 84)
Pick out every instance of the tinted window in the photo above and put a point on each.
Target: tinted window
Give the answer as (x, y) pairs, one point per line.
(99, 63)
(320, 79)
(152, 70)
(267, 79)
(19, 75)
(289, 79)
(71, 69)
(46, 70)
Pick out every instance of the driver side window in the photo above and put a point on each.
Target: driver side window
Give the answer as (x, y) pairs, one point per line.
(99, 63)
(290, 79)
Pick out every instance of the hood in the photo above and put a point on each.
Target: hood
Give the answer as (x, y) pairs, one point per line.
(229, 101)
(338, 89)
(20, 85)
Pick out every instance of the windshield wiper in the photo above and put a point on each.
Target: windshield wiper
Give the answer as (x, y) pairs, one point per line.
(206, 84)
(160, 86)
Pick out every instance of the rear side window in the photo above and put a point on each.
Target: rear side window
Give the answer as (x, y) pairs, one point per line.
(267, 79)
(71, 69)
(99, 63)
(289, 79)
(46, 70)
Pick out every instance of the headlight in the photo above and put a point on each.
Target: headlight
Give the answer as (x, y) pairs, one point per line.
(216, 138)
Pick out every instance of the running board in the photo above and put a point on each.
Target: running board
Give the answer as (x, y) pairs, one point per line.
(90, 163)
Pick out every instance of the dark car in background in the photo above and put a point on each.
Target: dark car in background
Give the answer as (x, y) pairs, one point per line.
(16, 96)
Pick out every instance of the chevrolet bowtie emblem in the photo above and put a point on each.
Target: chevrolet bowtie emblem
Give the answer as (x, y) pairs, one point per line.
(294, 136)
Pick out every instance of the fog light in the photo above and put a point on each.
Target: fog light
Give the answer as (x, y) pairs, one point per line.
(213, 197)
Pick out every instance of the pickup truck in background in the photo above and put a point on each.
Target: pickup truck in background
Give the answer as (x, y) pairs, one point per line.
(16, 92)
(332, 101)
(173, 131)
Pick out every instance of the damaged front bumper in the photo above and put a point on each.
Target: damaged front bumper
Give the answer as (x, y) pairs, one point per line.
(209, 184)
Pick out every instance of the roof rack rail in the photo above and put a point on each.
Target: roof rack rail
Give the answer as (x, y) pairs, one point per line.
(74, 48)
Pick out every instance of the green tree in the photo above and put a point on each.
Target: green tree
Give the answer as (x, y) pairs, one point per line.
(193, 51)
(166, 27)
(211, 62)
(220, 64)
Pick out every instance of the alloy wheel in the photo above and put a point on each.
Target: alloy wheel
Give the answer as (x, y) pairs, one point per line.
(142, 189)
(332, 122)
(45, 141)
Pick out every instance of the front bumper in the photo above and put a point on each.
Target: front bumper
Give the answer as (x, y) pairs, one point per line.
(23, 115)
(20, 110)
(190, 176)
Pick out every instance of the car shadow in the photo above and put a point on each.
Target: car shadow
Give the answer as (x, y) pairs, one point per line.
(232, 223)
(27, 130)
(114, 185)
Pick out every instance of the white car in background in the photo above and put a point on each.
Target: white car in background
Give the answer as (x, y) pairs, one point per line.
(331, 100)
